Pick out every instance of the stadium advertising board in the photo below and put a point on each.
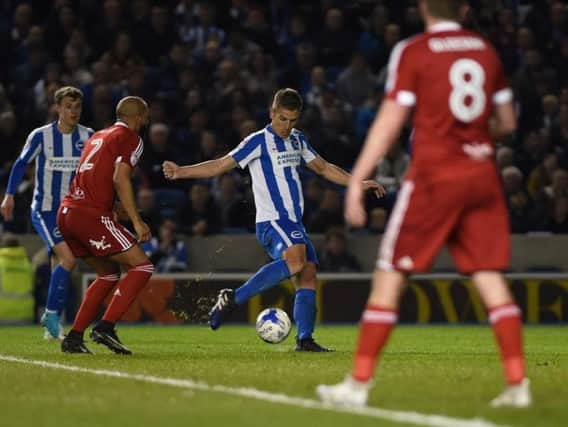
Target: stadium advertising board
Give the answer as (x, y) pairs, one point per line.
(178, 298)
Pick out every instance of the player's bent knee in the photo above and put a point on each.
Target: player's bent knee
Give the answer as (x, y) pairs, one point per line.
(296, 265)
(68, 263)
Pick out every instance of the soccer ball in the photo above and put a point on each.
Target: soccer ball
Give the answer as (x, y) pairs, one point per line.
(273, 325)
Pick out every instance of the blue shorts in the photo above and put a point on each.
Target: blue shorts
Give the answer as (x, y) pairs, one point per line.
(45, 223)
(278, 235)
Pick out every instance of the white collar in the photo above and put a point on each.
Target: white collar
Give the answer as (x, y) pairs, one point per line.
(444, 26)
(120, 123)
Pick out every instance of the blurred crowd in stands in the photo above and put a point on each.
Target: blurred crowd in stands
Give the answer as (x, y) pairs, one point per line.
(210, 68)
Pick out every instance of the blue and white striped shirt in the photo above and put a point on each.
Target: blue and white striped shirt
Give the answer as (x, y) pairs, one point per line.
(273, 163)
(57, 157)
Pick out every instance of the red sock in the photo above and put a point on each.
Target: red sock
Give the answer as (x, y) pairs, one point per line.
(94, 297)
(506, 322)
(127, 290)
(376, 326)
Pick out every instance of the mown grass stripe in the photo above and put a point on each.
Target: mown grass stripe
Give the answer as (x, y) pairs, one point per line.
(431, 420)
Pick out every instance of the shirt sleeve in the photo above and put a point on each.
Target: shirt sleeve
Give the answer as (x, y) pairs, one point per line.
(132, 151)
(308, 153)
(31, 149)
(248, 150)
(401, 76)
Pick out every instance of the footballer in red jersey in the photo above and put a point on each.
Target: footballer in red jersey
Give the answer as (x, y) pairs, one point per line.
(451, 81)
(86, 221)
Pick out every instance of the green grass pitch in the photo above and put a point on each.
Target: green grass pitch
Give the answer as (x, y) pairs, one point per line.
(450, 371)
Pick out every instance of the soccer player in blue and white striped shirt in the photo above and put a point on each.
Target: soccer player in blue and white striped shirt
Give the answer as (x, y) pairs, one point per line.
(56, 149)
(273, 156)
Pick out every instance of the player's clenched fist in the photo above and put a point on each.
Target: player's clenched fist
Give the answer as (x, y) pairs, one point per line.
(7, 207)
(170, 170)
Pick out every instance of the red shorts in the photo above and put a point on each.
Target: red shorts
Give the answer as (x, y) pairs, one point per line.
(469, 216)
(90, 232)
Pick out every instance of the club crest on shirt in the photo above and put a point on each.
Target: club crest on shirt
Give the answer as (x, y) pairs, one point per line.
(78, 194)
(79, 145)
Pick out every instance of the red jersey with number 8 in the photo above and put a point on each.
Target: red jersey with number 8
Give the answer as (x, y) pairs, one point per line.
(451, 194)
(93, 185)
(450, 114)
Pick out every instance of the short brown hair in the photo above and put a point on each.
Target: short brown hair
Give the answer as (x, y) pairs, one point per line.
(287, 98)
(70, 91)
(447, 9)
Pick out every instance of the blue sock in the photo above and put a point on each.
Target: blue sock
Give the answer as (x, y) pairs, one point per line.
(267, 277)
(305, 312)
(57, 293)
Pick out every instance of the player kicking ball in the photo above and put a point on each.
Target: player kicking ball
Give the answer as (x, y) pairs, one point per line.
(274, 155)
(451, 194)
(87, 223)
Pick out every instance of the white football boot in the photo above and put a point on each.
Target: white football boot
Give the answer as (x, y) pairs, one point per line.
(514, 396)
(347, 393)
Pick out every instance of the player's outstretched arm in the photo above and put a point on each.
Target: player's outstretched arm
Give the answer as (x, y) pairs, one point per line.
(339, 176)
(383, 133)
(206, 169)
(17, 172)
(123, 187)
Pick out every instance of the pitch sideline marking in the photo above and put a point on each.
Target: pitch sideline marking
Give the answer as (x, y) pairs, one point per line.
(430, 420)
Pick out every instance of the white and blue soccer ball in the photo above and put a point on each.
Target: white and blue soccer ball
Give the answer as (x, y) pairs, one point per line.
(273, 325)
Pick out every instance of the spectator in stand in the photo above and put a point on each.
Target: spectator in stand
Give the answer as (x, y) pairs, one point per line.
(149, 211)
(337, 136)
(558, 221)
(335, 257)
(74, 72)
(104, 28)
(371, 40)
(297, 33)
(541, 176)
(559, 132)
(232, 206)
(239, 49)
(154, 43)
(335, 42)
(318, 84)
(158, 149)
(258, 30)
(377, 220)
(59, 27)
(21, 23)
(9, 135)
(78, 44)
(356, 82)
(298, 73)
(505, 157)
(392, 168)
(329, 213)
(200, 214)
(197, 35)
(549, 107)
(167, 253)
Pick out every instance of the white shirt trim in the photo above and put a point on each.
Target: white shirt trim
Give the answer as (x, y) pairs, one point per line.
(406, 98)
(503, 96)
(444, 26)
